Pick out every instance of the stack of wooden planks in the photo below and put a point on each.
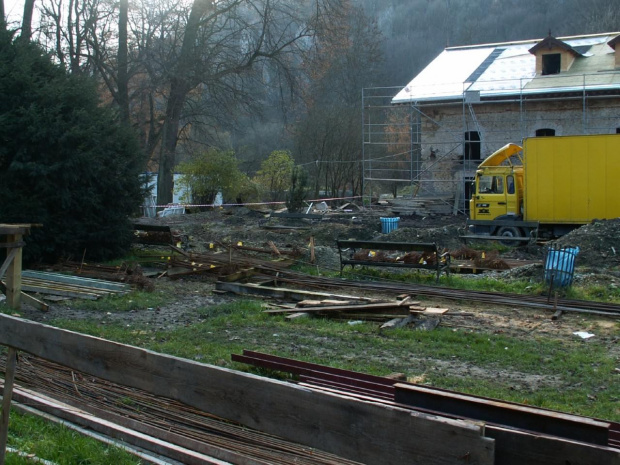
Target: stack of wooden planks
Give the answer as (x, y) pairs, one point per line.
(58, 284)
(395, 313)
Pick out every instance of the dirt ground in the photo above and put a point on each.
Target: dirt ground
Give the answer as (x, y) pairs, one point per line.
(597, 263)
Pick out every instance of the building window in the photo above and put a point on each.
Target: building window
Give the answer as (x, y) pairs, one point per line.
(545, 132)
(472, 145)
(551, 63)
(617, 130)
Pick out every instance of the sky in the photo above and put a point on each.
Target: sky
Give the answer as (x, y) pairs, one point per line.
(14, 9)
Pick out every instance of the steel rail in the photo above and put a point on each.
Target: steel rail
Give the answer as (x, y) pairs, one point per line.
(90, 393)
(360, 385)
(497, 298)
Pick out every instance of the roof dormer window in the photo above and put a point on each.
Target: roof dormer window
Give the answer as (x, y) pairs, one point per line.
(553, 56)
(551, 63)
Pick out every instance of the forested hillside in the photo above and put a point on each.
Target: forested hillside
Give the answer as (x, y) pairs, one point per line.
(415, 31)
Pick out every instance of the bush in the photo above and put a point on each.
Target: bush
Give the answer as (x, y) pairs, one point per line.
(64, 160)
(298, 190)
(275, 173)
(209, 172)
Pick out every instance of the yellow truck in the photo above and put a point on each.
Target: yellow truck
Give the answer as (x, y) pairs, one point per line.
(546, 188)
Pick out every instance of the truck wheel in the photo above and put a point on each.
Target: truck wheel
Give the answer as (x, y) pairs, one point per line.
(508, 232)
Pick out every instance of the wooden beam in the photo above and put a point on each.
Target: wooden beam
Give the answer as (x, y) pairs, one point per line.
(383, 307)
(153, 439)
(79, 281)
(350, 428)
(21, 229)
(504, 413)
(7, 395)
(36, 303)
(281, 292)
(520, 447)
(14, 275)
(8, 260)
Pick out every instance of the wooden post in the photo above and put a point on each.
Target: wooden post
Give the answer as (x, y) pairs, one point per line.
(14, 275)
(9, 376)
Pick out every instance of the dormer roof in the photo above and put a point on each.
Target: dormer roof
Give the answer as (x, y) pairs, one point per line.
(550, 43)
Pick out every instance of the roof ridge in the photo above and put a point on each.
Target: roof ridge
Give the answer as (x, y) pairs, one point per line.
(532, 41)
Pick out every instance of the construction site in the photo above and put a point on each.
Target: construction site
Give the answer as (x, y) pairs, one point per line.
(423, 143)
(167, 409)
(366, 330)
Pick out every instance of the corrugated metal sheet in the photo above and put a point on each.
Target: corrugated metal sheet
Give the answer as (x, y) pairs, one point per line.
(508, 69)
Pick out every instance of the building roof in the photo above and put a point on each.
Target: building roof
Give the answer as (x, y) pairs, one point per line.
(495, 71)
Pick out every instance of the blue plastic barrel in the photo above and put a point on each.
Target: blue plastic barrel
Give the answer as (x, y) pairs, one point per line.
(560, 266)
(389, 224)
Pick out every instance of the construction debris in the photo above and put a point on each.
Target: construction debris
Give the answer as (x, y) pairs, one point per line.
(169, 424)
(58, 284)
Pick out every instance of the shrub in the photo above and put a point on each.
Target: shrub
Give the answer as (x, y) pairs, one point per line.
(64, 160)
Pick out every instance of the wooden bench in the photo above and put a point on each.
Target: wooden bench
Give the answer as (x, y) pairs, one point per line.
(417, 255)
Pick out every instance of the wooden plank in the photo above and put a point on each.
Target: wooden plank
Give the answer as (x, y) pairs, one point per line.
(18, 229)
(7, 394)
(362, 316)
(324, 302)
(76, 280)
(29, 299)
(519, 447)
(131, 432)
(347, 308)
(503, 413)
(435, 311)
(45, 290)
(346, 427)
(280, 292)
(42, 284)
(14, 276)
(7, 261)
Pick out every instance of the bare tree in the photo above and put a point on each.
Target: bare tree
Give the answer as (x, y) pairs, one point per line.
(224, 46)
(345, 59)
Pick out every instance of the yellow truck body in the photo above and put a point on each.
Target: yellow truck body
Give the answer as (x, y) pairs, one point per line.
(550, 186)
(572, 179)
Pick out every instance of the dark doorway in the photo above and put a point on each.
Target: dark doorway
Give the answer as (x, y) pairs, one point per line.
(472, 145)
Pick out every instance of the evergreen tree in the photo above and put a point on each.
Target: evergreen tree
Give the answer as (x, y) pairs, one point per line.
(298, 190)
(64, 161)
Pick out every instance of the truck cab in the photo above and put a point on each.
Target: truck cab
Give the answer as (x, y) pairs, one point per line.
(498, 190)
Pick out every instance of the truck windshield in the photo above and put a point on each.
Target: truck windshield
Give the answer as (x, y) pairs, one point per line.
(490, 185)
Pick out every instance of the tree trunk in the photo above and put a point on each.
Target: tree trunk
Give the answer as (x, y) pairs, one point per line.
(27, 20)
(165, 177)
(123, 85)
(180, 85)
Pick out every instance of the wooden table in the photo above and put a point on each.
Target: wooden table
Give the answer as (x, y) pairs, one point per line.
(11, 238)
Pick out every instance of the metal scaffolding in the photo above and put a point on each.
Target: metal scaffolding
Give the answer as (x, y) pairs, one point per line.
(430, 150)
